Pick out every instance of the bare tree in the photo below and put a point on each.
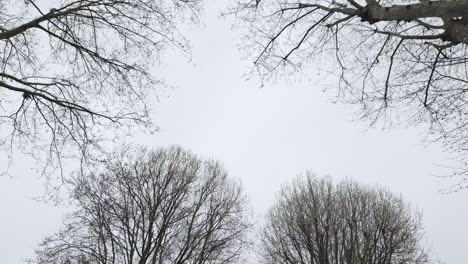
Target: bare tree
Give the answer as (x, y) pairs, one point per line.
(72, 70)
(316, 221)
(397, 61)
(153, 206)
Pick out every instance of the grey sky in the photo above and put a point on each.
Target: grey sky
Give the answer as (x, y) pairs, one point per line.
(265, 136)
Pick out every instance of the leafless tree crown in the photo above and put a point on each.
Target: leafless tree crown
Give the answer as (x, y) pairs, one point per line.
(73, 69)
(397, 61)
(315, 221)
(153, 207)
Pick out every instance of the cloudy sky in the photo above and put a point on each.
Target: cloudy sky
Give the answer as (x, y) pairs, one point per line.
(265, 136)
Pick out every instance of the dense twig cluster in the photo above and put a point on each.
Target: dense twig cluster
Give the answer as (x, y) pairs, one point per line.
(315, 221)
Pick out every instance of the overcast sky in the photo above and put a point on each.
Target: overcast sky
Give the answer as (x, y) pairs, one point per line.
(265, 136)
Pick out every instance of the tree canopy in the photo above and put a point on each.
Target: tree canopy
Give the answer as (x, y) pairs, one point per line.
(396, 61)
(316, 221)
(76, 73)
(157, 206)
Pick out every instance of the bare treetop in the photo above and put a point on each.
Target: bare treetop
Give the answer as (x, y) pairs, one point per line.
(72, 70)
(316, 221)
(397, 61)
(164, 206)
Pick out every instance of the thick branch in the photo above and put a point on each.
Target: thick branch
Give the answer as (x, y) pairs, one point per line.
(35, 22)
(442, 9)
